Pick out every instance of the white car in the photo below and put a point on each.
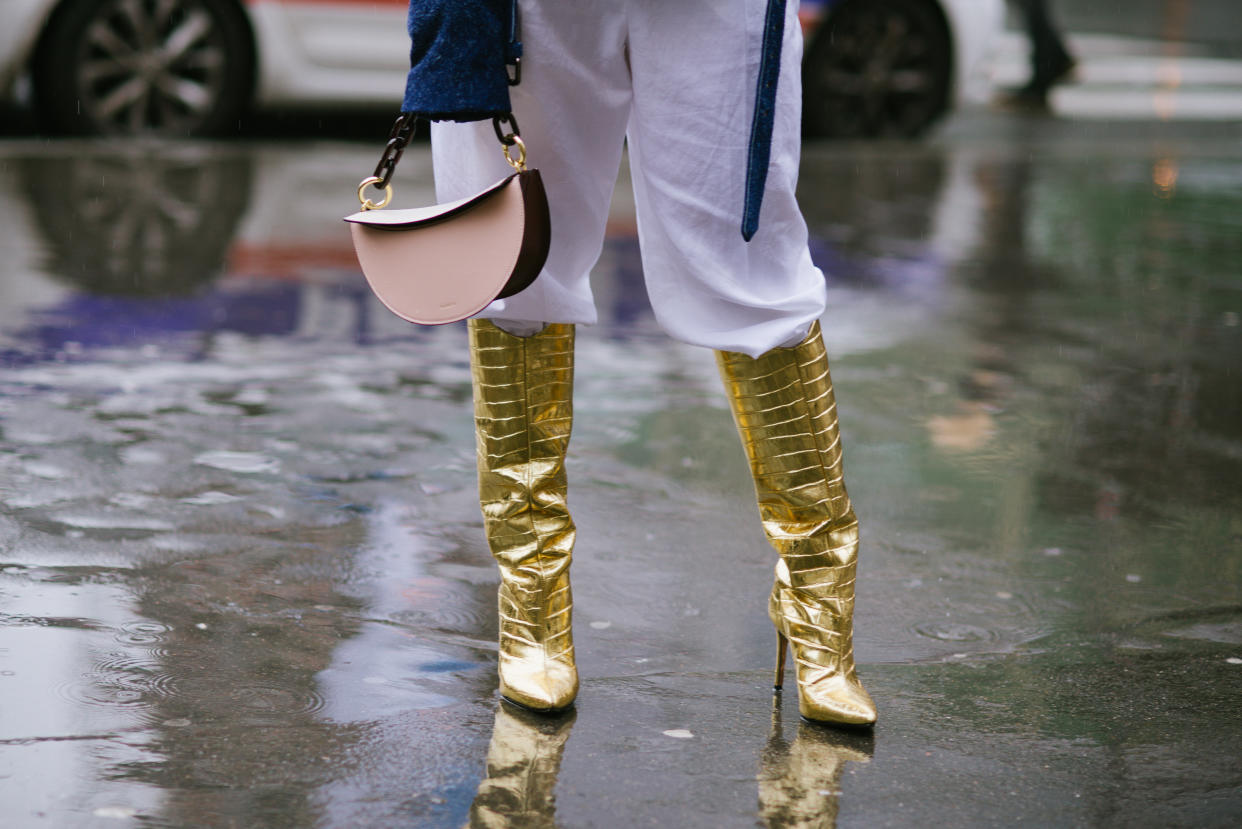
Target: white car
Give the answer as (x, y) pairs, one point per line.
(892, 67)
(189, 67)
(184, 67)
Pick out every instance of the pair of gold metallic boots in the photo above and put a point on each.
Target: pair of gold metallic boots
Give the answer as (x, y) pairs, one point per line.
(786, 414)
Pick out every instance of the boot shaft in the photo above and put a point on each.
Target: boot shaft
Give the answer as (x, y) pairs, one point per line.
(523, 411)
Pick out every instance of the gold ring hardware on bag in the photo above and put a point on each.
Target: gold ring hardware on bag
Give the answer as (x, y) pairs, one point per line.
(367, 204)
(519, 163)
(510, 138)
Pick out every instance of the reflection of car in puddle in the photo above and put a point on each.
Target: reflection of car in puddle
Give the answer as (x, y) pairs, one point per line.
(146, 239)
(178, 242)
(137, 223)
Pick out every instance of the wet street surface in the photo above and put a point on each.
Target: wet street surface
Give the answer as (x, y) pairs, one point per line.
(242, 574)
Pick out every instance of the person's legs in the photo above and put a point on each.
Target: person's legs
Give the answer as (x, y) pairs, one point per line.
(572, 107)
(1051, 62)
(693, 65)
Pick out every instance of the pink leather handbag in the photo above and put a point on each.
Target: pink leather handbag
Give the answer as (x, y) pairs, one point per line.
(444, 263)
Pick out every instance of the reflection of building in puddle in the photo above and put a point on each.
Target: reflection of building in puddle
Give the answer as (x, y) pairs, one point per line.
(800, 782)
(427, 621)
(80, 673)
(523, 761)
(965, 430)
(1005, 278)
(238, 736)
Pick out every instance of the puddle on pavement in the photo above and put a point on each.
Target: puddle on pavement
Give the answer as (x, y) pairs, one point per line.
(242, 577)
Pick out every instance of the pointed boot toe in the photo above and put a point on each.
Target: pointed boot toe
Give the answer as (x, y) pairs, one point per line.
(546, 688)
(837, 700)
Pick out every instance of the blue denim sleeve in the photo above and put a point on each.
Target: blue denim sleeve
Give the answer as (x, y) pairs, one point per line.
(457, 59)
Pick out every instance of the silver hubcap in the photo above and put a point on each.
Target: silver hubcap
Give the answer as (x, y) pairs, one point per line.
(151, 65)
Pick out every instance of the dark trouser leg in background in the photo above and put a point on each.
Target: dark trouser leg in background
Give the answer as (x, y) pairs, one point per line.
(1050, 60)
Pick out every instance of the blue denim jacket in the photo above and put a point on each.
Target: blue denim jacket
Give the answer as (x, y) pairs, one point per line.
(458, 55)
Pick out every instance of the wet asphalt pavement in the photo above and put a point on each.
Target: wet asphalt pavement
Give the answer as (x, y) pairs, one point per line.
(243, 582)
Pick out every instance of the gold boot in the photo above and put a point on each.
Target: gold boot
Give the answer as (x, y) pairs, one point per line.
(522, 414)
(523, 761)
(787, 417)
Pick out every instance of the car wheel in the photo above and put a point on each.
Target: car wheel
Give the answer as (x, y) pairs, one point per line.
(875, 68)
(129, 67)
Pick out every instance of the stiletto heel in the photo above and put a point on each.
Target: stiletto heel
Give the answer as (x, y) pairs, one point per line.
(781, 645)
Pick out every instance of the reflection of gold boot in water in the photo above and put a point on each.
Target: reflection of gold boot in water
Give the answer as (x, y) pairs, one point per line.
(799, 783)
(523, 761)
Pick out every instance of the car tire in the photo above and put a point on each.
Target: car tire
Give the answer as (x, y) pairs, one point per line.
(877, 68)
(150, 67)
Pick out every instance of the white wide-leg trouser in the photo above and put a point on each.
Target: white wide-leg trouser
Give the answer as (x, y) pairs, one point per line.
(675, 79)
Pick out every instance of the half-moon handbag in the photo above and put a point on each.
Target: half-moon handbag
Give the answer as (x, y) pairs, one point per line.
(446, 262)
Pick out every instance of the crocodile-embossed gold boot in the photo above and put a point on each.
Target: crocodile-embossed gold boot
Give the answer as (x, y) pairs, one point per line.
(787, 416)
(523, 411)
